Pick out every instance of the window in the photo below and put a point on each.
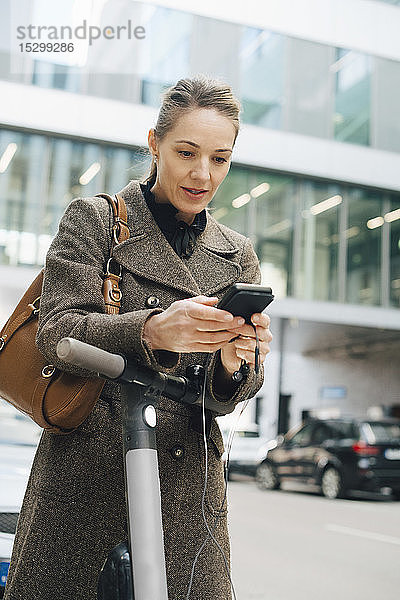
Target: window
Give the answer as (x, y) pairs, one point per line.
(380, 433)
(302, 437)
(364, 236)
(317, 277)
(168, 56)
(298, 226)
(23, 192)
(352, 96)
(235, 185)
(261, 63)
(321, 433)
(341, 430)
(58, 76)
(42, 177)
(274, 228)
(394, 251)
(308, 99)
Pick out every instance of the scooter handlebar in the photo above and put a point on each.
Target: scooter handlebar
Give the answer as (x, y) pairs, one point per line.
(90, 357)
(114, 366)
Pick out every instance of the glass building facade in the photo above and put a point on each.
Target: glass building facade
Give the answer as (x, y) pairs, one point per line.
(316, 240)
(284, 83)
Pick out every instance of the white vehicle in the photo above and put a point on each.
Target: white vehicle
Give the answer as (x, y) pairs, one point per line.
(245, 452)
(19, 437)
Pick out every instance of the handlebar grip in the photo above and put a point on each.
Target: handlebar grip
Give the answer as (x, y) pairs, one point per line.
(90, 357)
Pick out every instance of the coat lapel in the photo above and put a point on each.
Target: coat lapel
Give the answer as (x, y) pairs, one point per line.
(147, 252)
(213, 263)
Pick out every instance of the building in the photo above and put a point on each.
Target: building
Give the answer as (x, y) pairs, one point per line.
(315, 175)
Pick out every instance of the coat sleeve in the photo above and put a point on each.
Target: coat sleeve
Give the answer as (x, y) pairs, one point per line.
(252, 383)
(72, 303)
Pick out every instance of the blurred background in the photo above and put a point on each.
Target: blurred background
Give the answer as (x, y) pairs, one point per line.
(315, 183)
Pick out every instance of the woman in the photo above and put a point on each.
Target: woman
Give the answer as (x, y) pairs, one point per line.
(176, 265)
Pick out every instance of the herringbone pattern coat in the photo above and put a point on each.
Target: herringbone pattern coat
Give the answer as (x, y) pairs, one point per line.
(74, 508)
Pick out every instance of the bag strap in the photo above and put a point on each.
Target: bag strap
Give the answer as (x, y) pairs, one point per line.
(120, 224)
(12, 325)
(112, 297)
(111, 290)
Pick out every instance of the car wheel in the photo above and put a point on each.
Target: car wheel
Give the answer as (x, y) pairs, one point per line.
(332, 483)
(266, 477)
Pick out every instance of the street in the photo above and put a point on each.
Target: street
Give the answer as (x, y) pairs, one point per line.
(294, 544)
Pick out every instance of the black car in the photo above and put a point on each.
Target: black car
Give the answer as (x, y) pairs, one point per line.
(338, 455)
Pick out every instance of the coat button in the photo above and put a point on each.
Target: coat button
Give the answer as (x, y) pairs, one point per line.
(177, 452)
(152, 302)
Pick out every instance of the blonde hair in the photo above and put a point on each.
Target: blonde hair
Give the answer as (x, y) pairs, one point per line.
(187, 94)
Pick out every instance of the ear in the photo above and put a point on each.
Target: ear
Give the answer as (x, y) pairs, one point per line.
(151, 139)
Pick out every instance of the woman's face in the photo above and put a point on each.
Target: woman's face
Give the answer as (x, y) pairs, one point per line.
(194, 156)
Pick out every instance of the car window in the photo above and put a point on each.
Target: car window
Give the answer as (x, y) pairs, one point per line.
(381, 433)
(302, 437)
(343, 430)
(321, 433)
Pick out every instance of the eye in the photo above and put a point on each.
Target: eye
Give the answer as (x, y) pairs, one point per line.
(221, 161)
(185, 153)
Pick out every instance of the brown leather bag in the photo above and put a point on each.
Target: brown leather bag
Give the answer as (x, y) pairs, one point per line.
(57, 401)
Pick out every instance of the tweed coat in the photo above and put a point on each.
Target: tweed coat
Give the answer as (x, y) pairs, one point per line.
(74, 511)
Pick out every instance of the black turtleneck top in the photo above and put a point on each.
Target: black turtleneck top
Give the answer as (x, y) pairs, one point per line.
(179, 234)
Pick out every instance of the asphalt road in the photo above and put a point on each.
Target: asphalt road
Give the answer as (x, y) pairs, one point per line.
(295, 544)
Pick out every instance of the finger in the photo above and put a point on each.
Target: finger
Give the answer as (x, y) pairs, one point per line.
(204, 325)
(200, 347)
(200, 311)
(261, 319)
(246, 355)
(264, 350)
(263, 355)
(263, 333)
(268, 337)
(244, 330)
(209, 300)
(214, 337)
(248, 344)
(245, 350)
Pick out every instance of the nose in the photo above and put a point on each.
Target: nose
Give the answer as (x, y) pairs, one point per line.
(201, 170)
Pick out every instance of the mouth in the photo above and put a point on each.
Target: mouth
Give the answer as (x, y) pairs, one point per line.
(194, 192)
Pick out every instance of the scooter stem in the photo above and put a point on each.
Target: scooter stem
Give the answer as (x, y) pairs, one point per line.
(143, 494)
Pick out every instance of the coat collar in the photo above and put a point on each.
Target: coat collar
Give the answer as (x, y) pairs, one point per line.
(148, 254)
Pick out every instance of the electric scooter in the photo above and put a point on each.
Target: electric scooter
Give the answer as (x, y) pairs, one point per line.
(136, 570)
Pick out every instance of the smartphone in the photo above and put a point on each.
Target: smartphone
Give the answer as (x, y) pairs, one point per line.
(245, 299)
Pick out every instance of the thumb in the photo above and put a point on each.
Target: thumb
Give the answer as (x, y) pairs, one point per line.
(208, 300)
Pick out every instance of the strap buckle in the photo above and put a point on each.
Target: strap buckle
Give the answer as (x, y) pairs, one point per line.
(108, 272)
(35, 305)
(115, 234)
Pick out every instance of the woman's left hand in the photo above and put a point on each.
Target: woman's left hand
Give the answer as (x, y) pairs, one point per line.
(244, 346)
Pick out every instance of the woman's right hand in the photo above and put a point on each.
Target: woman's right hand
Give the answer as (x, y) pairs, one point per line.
(191, 325)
